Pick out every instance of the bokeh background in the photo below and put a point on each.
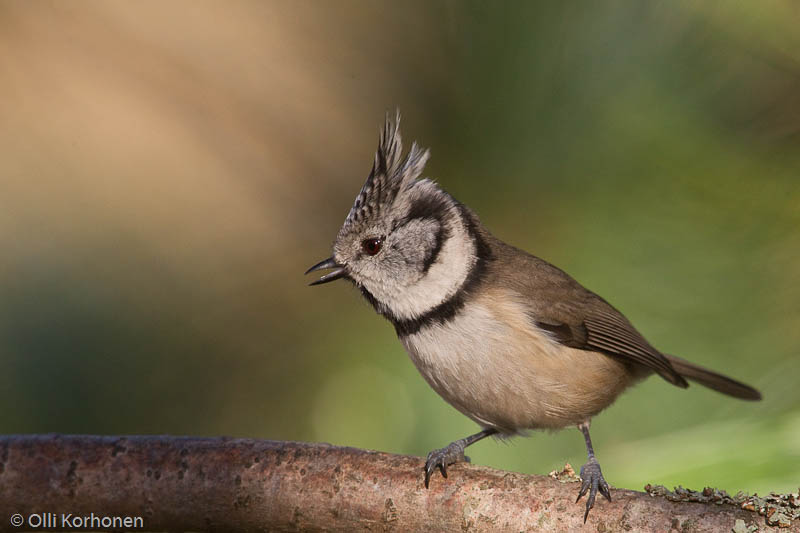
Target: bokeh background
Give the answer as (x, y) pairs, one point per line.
(168, 170)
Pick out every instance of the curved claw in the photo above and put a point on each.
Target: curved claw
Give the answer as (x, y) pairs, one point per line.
(593, 482)
(428, 471)
(441, 459)
(584, 488)
(435, 460)
(604, 489)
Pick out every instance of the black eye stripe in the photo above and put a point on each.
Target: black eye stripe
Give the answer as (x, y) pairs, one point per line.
(428, 207)
(442, 233)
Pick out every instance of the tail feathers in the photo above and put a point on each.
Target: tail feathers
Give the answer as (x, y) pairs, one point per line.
(712, 380)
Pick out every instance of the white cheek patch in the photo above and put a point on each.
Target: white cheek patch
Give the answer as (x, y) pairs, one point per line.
(411, 260)
(442, 280)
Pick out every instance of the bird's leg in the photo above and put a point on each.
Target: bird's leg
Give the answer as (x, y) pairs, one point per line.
(591, 476)
(451, 454)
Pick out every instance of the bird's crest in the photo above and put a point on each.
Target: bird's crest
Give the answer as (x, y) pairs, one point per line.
(390, 174)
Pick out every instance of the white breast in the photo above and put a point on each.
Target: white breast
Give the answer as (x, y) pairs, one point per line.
(491, 363)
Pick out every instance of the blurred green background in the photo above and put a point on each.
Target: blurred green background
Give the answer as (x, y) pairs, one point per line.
(168, 170)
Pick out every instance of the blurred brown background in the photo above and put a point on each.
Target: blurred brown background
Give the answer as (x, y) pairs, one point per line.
(169, 169)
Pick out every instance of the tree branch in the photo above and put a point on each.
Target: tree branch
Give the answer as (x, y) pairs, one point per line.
(202, 484)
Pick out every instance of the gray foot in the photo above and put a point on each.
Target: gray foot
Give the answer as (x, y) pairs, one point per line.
(592, 480)
(444, 457)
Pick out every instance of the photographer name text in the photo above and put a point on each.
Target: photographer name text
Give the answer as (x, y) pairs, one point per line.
(74, 521)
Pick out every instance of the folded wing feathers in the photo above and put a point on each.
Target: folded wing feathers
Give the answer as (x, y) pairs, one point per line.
(611, 334)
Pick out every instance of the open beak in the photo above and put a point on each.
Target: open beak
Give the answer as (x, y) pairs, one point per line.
(338, 272)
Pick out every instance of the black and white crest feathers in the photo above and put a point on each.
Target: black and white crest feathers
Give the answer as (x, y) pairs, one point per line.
(390, 175)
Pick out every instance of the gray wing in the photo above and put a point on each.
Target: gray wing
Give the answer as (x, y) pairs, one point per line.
(577, 317)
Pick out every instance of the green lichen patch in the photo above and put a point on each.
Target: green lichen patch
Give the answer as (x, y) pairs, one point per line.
(777, 509)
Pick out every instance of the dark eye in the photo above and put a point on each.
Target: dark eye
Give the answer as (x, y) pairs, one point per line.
(372, 246)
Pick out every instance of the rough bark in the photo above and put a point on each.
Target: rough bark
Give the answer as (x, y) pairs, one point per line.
(221, 484)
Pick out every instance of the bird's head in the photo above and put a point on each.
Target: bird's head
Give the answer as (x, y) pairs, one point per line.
(404, 243)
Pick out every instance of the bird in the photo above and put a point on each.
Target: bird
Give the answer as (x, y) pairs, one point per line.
(508, 339)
